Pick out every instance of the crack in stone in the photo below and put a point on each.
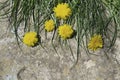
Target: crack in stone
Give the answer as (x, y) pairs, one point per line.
(19, 72)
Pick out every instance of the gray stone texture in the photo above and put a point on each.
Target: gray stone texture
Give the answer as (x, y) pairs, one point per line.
(43, 63)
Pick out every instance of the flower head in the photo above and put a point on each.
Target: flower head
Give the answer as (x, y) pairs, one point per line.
(65, 31)
(30, 38)
(62, 11)
(96, 42)
(49, 25)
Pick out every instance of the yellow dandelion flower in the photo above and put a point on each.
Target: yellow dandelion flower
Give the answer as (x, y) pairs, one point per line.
(65, 31)
(96, 42)
(49, 25)
(62, 11)
(30, 38)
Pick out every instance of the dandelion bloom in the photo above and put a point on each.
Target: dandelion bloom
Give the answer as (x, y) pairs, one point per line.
(96, 42)
(30, 38)
(62, 11)
(65, 31)
(49, 25)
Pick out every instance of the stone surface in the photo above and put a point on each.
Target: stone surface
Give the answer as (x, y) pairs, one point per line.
(43, 63)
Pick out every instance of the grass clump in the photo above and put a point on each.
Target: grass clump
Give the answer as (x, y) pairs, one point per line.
(86, 18)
